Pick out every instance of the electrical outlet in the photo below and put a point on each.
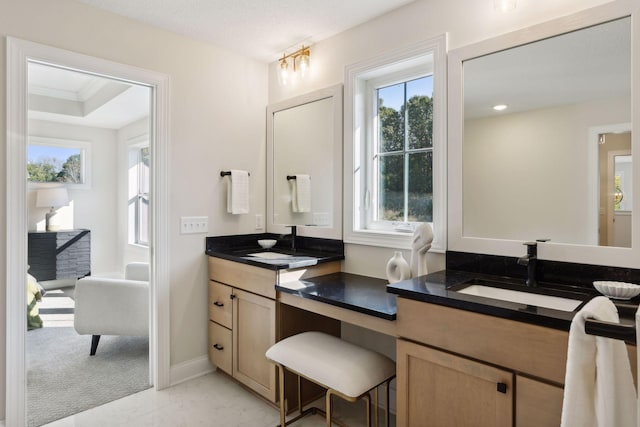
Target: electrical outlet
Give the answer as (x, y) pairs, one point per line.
(259, 222)
(194, 224)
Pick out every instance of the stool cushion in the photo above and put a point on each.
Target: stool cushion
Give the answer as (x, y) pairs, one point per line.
(332, 362)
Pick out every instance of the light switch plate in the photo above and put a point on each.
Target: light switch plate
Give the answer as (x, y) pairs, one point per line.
(259, 222)
(194, 224)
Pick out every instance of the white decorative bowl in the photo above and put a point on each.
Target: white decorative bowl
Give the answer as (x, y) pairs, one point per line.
(617, 290)
(267, 243)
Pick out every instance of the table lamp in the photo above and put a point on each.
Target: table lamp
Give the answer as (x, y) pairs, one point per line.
(52, 198)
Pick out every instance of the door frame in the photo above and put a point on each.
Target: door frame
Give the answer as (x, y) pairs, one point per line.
(19, 52)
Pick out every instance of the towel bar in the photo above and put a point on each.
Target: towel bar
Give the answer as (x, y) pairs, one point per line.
(614, 330)
(228, 173)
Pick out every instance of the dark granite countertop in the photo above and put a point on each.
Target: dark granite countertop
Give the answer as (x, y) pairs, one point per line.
(437, 287)
(309, 250)
(363, 294)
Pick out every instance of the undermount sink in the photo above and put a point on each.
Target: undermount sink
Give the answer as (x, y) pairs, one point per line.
(270, 255)
(520, 296)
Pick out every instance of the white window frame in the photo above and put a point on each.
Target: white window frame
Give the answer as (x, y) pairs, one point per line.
(133, 235)
(360, 79)
(85, 161)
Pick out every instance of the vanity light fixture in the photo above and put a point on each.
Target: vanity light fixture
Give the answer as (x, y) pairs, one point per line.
(300, 65)
(504, 5)
(500, 107)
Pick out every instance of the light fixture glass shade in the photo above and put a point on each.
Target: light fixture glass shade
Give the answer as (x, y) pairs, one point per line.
(504, 5)
(303, 63)
(283, 72)
(52, 197)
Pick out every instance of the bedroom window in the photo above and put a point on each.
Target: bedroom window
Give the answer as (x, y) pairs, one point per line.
(138, 204)
(56, 161)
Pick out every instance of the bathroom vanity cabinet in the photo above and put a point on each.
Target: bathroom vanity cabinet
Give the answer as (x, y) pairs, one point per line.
(243, 315)
(473, 366)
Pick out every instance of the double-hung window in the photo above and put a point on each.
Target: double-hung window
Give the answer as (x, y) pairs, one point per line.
(138, 195)
(394, 146)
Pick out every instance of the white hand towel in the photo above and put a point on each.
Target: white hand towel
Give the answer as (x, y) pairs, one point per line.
(598, 388)
(238, 192)
(301, 197)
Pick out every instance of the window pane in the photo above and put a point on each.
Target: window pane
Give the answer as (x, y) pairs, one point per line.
(420, 112)
(391, 188)
(46, 163)
(143, 222)
(391, 118)
(421, 187)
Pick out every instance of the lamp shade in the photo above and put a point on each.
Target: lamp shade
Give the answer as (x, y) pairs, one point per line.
(52, 197)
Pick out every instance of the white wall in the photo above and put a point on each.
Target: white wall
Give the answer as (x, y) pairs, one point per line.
(92, 208)
(216, 116)
(527, 175)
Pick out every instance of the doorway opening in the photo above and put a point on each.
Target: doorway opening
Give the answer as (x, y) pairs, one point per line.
(88, 169)
(20, 54)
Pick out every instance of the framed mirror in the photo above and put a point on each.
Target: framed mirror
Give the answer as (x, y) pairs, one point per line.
(304, 164)
(528, 114)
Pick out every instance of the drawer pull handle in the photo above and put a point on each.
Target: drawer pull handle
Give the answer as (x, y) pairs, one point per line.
(502, 388)
(218, 347)
(218, 304)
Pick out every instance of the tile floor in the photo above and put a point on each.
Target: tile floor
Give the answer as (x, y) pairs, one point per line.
(213, 400)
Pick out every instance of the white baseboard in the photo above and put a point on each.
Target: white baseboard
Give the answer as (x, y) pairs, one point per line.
(190, 369)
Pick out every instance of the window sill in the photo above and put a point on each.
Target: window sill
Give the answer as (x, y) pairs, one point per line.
(385, 239)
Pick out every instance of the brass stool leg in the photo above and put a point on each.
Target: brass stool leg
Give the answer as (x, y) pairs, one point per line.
(299, 395)
(328, 408)
(386, 406)
(283, 422)
(367, 398)
(375, 407)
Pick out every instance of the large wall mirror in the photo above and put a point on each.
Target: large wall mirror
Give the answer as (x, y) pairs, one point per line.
(304, 164)
(542, 140)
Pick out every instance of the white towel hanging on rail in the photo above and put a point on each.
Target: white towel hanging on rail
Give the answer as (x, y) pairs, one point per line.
(238, 192)
(598, 390)
(301, 193)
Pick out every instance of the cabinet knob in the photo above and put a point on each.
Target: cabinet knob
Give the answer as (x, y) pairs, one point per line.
(218, 347)
(218, 304)
(232, 296)
(502, 388)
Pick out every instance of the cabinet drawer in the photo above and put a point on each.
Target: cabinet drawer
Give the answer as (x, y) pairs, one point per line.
(258, 280)
(220, 304)
(220, 347)
(538, 404)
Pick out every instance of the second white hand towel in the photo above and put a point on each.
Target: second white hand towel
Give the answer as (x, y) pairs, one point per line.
(238, 192)
(598, 389)
(301, 200)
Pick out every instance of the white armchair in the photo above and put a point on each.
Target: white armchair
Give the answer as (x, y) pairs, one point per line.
(106, 306)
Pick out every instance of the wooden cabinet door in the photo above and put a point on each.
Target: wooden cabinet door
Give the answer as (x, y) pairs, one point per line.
(538, 404)
(439, 389)
(220, 303)
(254, 331)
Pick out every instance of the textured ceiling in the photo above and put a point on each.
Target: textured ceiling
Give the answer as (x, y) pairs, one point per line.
(262, 29)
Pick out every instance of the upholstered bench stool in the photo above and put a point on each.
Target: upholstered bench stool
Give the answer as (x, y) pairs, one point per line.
(344, 369)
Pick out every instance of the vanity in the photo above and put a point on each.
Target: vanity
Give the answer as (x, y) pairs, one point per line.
(534, 172)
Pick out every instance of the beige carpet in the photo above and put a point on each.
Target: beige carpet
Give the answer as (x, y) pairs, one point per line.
(62, 379)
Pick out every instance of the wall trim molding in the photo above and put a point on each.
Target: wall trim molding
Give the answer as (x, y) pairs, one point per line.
(191, 369)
